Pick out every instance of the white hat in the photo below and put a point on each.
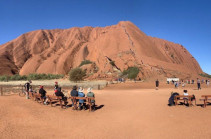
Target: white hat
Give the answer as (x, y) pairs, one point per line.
(80, 89)
(89, 89)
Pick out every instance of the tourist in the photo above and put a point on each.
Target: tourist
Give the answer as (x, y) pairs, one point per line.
(74, 93)
(56, 86)
(42, 92)
(208, 83)
(27, 87)
(59, 93)
(81, 101)
(91, 94)
(198, 83)
(183, 84)
(157, 84)
(185, 98)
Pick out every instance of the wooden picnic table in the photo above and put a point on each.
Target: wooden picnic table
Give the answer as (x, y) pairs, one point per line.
(205, 98)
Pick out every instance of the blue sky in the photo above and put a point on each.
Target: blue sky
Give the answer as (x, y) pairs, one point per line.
(187, 22)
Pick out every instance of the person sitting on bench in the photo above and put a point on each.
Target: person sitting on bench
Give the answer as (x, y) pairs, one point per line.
(185, 98)
(91, 94)
(43, 94)
(81, 101)
(74, 93)
(56, 86)
(59, 93)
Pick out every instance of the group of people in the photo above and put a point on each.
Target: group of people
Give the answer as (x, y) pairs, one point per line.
(57, 92)
(185, 93)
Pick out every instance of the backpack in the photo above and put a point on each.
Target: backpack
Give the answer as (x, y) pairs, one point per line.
(193, 98)
(171, 99)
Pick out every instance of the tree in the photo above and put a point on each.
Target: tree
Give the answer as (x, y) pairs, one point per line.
(131, 72)
(76, 74)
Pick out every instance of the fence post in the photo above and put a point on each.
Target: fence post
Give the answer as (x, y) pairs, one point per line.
(1, 91)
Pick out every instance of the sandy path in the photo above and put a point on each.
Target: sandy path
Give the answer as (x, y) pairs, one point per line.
(130, 112)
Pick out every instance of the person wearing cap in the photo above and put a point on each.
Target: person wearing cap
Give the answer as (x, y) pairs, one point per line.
(74, 93)
(59, 93)
(43, 94)
(91, 94)
(81, 101)
(56, 86)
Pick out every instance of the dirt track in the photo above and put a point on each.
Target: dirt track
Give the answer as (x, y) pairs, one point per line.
(127, 111)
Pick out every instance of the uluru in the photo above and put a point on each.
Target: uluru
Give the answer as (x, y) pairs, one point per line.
(57, 51)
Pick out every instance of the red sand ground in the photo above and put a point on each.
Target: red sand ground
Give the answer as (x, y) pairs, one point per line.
(130, 110)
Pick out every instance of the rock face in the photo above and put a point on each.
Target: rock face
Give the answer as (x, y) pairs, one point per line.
(57, 51)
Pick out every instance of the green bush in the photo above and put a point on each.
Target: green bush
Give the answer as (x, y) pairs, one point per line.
(76, 74)
(205, 75)
(85, 62)
(131, 72)
(43, 76)
(3, 78)
(33, 76)
(18, 77)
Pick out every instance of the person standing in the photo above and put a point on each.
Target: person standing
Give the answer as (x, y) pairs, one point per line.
(208, 83)
(27, 87)
(157, 84)
(198, 83)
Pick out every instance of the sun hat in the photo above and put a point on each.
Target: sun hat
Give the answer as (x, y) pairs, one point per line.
(80, 89)
(89, 89)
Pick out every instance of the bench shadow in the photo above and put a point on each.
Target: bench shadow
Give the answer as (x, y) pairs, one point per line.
(98, 107)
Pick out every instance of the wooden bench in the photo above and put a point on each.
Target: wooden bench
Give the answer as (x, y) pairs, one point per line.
(52, 98)
(32, 95)
(38, 98)
(87, 100)
(205, 98)
(184, 98)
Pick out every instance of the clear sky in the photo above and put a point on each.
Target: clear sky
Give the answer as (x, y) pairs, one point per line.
(187, 22)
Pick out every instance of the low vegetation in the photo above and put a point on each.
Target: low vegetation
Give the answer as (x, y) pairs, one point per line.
(205, 75)
(77, 74)
(33, 76)
(85, 62)
(131, 72)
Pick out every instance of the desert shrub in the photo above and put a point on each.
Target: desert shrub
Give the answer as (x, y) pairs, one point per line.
(17, 77)
(3, 78)
(85, 62)
(205, 75)
(43, 76)
(131, 72)
(77, 74)
(33, 76)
